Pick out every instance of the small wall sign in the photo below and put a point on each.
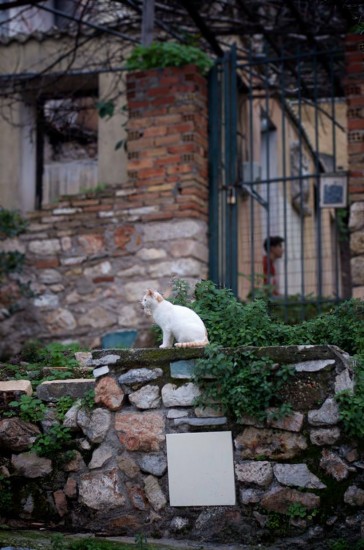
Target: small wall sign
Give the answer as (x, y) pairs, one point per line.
(333, 190)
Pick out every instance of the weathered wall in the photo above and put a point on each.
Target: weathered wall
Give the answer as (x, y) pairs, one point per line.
(91, 257)
(118, 481)
(355, 101)
(18, 117)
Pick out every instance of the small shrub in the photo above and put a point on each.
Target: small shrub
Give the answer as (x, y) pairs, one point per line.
(28, 408)
(241, 383)
(12, 223)
(167, 54)
(88, 400)
(51, 443)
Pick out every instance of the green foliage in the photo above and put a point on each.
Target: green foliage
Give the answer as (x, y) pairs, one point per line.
(50, 444)
(141, 542)
(11, 262)
(244, 384)
(241, 383)
(28, 408)
(11, 223)
(51, 355)
(88, 400)
(229, 322)
(106, 109)
(351, 404)
(297, 510)
(342, 544)
(100, 187)
(167, 54)
(343, 326)
(63, 405)
(5, 494)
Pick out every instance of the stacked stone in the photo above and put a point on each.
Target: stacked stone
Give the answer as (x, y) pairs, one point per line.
(117, 483)
(91, 257)
(355, 101)
(167, 141)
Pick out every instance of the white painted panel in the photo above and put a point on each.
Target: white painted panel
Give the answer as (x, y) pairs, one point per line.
(201, 469)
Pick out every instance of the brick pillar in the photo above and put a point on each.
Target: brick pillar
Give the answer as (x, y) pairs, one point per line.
(167, 141)
(355, 103)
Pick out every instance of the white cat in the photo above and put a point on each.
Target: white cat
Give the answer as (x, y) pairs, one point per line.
(178, 323)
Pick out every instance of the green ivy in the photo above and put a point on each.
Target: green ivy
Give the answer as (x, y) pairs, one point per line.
(168, 54)
(28, 408)
(11, 223)
(241, 384)
(11, 262)
(53, 442)
(351, 403)
(245, 384)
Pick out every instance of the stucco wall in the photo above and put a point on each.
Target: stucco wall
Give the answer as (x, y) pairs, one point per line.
(117, 482)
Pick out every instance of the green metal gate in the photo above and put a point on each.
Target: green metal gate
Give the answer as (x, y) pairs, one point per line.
(222, 171)
(277, 168)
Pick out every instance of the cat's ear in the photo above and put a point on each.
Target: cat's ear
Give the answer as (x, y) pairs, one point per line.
(149, 292)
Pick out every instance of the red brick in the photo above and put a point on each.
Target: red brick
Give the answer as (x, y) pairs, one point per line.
(151, 173)
(166, 100)
(356, 101)
(170, 159)
(356, 124)
(46, 263)
(153, 131)
(140, 164)
(103, 279)
(158, 216)
(172, 140)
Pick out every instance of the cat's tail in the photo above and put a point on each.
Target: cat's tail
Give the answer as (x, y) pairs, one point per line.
(199, 344)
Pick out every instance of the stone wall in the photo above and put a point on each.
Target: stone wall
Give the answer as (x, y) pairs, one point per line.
(355, 100)
(89, 258)
(117, 481)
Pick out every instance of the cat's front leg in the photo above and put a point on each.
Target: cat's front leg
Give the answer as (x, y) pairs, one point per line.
(167, 339)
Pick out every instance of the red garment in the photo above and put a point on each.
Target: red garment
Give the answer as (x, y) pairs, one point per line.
(270, 275)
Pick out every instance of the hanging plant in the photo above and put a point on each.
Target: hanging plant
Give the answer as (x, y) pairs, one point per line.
(168, 54)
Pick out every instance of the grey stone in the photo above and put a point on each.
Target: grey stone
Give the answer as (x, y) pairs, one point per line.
(155, 464)
(101, 490)
(323, 436)
(95, 424)
(148, 397)
(200, 421)
(313, 366)
(154, 493)
(327, 414)
(136, 376)
(257, 472)
(46, 300)
(52, 390)
(297, 475)
(354, 496)
(100, 455)
(31, 465)
(45, 247)
(344, 381)
(182, 368)
(178, 524)
(100, 371)
(182, 396)
(251, 496)
(109, 359)
(176, 413)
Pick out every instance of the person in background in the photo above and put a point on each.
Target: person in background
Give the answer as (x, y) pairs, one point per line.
(273, 247)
